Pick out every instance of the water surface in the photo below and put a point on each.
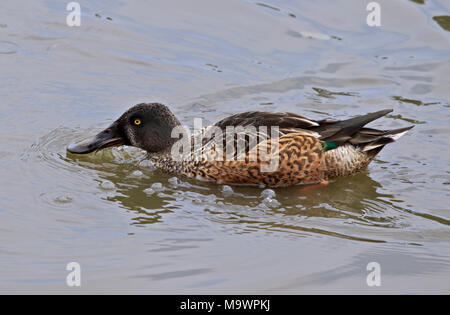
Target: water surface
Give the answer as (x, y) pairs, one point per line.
(210, 59)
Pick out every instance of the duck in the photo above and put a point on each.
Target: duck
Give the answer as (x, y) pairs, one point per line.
(240, 149)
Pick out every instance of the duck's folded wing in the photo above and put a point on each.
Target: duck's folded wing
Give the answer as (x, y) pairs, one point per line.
(336, 132)
(250, 129)
(268, 119)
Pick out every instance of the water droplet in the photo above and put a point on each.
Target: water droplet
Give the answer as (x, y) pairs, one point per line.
(147, 164)
(107, 185)
(137, 173)
(272, 203)
(63, 199)
(173, 181)
(210, 198)
(268, 193)
(227, 190)
(149, 191)
(263, 206)
(157, 186)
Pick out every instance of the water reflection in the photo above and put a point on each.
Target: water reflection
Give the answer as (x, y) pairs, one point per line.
(275, 57)
(352, 200)
(7, 47)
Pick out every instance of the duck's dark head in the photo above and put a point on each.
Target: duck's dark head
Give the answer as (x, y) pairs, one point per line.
(146, 126)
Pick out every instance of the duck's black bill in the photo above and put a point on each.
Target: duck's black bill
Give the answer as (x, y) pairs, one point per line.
(105, 139)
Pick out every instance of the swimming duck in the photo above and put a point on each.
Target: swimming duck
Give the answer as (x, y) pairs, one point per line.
(296, 149)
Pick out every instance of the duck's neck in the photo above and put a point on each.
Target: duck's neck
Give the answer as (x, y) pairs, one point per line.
(164, 160)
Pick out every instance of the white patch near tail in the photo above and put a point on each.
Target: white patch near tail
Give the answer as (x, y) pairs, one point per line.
(373, 146)
(397, 135)
(394, 137)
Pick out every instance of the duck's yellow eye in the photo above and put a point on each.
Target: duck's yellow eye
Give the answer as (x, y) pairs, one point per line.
(137, 122)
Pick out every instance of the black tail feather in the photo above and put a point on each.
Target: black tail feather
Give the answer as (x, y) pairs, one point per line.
(342, 131)
(388, 137)
(352, 131)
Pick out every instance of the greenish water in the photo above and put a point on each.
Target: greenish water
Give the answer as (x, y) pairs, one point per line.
(211, 59)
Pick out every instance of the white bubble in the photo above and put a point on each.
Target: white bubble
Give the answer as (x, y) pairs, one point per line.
(63, 199)
(268, 193)
(147, 164)
(107, 185)
(210, 198)
(137, 173)
(227, 190)
(263, 206)
(173, 181)
(272, 203)
(157, 186)
(149, 191)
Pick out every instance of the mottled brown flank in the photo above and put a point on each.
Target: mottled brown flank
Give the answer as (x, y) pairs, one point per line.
(300, 161)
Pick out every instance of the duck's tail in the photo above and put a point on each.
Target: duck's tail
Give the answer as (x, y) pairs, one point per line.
(352, 131)
(350, 147)
(380, 140)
